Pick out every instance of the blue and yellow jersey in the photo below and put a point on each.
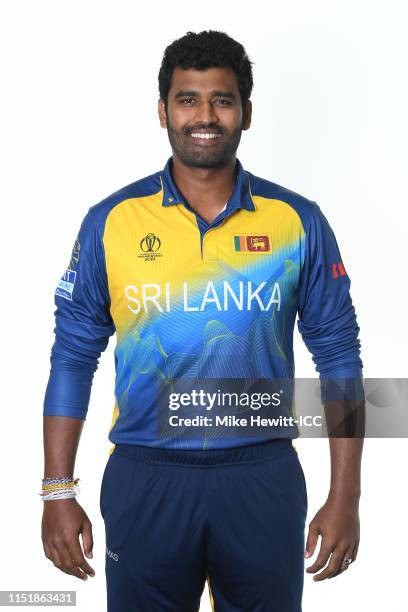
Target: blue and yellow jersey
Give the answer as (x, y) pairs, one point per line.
(193, 300)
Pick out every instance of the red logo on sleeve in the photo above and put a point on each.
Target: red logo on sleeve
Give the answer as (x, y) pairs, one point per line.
(338, 270)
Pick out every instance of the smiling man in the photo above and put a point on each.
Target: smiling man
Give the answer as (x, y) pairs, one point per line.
(201, 269)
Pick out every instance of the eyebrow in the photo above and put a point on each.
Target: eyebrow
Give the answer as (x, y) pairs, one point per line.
(217, 92)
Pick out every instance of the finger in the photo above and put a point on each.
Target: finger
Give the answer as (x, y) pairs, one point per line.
(47, 551)
(355, 551)
(333, 567)
(322, 558)
(78, 557)
(87, 539)
(68, 564)
(311, 542)
(344, 565)
(56, 558)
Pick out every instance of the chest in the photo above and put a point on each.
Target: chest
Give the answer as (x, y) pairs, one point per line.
(159, 260)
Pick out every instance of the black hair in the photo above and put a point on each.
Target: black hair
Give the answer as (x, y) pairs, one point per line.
(207, 49)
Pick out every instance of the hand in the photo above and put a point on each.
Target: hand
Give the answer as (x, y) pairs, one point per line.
(63, 520)
(338, 524)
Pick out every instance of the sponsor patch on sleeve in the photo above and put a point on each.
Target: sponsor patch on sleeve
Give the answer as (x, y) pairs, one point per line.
(66, 285)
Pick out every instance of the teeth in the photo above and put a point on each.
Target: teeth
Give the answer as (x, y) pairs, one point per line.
(206, 136)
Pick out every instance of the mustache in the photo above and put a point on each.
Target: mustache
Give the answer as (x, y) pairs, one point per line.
(202, 126)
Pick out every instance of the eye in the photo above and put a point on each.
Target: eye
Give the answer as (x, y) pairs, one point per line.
(224, 102)
(186, 101)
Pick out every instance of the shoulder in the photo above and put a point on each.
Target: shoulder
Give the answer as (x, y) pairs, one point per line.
(304, 207)
(142, 188)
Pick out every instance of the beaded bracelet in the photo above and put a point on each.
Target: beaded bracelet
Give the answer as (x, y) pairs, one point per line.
(59, 488)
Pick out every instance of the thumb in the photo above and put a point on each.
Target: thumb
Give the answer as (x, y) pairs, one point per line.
(312, 538)
(87, 539)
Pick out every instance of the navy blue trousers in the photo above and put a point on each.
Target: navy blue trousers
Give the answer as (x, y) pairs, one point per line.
(175, 518)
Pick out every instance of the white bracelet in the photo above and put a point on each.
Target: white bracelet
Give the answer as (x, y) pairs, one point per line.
(59, 488)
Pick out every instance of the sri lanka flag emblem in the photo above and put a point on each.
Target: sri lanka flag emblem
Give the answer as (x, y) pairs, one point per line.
(254, 243)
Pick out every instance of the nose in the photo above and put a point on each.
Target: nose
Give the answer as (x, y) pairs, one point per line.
(206, 113)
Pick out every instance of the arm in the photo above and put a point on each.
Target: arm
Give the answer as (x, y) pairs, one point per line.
(328, 325)
(337, 522)
(61, 440)
(83, 327)
(345, 468)
(64, 519)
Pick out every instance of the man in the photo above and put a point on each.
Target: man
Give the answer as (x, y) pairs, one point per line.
(201, 269)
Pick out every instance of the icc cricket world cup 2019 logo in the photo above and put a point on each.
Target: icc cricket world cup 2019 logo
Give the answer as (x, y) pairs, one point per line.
(150, 244)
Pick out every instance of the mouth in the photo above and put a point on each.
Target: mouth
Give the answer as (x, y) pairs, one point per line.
(206, 138)
(205, 135)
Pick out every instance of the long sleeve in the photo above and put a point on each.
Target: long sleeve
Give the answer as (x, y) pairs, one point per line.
(83, 325)
(327, 318)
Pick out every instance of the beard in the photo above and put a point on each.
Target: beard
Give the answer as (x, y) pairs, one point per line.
(191, 154)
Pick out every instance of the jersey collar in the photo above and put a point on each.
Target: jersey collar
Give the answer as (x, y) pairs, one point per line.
(241, 196)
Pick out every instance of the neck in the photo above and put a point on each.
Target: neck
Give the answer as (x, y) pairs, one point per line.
(204, 187)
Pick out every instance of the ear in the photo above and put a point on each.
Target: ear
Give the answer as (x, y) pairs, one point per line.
(246, 119)
(162, 113)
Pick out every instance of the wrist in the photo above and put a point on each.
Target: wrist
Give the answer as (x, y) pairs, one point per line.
(59, 488)
(349, 495)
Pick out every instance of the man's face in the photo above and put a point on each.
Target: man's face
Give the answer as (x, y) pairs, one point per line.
(204, 117)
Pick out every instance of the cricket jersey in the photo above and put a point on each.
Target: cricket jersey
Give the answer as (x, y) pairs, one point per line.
(195, 301)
